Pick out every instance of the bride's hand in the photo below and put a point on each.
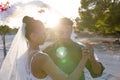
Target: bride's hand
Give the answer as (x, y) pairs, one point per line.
(88, 52)
(85, 52)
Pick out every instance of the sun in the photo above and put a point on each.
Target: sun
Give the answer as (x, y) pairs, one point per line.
(50, 18)
(52, 21)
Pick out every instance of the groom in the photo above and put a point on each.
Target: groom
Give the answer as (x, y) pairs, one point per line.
(67, 54)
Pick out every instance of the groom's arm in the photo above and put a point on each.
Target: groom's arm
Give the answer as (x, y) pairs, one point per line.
(95, 68)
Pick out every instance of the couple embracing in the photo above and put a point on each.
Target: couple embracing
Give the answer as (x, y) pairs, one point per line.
(63, 60)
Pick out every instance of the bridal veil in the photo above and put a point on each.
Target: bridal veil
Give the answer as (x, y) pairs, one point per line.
(14, 64)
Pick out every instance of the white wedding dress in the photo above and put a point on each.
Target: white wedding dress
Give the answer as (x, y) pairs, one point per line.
(15, 65)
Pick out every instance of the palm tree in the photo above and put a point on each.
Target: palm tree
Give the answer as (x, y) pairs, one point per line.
(4, 29)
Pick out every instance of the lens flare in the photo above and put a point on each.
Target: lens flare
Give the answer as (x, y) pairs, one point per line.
(61, 53)
(63, 60)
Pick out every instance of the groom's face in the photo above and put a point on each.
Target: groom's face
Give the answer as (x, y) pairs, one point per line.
(64, 31)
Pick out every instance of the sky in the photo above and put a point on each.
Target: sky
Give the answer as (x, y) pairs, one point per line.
(55, 9)
(68, 8)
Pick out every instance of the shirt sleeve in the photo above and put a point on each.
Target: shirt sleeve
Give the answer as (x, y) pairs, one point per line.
(89, 67)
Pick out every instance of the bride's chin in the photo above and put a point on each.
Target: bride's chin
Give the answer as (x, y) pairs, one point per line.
(41, 42)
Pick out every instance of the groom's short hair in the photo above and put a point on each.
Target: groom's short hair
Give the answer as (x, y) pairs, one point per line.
(66, 21)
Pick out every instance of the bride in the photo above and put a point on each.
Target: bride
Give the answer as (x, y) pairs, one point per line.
(25, 61)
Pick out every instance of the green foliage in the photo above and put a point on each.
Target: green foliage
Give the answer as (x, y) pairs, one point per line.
(101, 16)
(14, 30)
(4, 29)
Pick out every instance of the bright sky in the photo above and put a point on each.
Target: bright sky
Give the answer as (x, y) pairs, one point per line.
(67, 8)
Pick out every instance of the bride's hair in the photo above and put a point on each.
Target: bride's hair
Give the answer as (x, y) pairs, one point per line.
(30, 25)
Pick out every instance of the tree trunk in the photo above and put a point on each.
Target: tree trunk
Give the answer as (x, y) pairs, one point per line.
(4, 46)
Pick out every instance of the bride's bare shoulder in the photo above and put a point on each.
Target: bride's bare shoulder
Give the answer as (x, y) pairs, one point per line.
(39, 59)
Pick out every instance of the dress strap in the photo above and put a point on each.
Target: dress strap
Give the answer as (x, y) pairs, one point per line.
(35, 53)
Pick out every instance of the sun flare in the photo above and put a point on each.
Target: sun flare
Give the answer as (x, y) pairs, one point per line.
(48, 17)
(52, 22)
(51, 19)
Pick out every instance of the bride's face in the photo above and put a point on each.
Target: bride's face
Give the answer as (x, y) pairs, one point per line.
(38, 35)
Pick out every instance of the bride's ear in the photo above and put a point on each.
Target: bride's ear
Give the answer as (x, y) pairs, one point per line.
(32, 35)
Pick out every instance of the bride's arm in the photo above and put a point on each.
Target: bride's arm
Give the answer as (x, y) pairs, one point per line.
(75, 75)
(45, 62)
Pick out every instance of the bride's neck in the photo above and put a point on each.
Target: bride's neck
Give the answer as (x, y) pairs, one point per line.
(33, 46)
